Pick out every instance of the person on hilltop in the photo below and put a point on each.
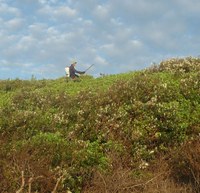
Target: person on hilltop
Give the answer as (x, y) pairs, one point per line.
(72, 72)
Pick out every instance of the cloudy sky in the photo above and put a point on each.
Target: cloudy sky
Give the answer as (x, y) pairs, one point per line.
(41, 37)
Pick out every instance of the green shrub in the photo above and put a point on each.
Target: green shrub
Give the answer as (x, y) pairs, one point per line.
(58, 131)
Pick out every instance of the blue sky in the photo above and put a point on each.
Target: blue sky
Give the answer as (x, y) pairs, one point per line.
(41, 37)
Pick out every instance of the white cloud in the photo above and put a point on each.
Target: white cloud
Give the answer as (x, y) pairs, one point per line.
(191, 6)
(38, 31)
(8, 11)
(64, 12)
(101, 61)
(14, 24)
(115, 35)
(110, 49)
(57, 12)
(101, 12)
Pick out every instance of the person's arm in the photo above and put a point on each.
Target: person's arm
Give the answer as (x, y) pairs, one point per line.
(79, 72)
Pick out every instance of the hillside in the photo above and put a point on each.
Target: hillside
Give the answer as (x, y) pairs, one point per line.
(132, 132)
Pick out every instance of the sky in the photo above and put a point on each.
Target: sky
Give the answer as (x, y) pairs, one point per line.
(41, 37)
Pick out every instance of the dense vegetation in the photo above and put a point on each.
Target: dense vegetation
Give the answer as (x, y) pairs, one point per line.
(133, 132)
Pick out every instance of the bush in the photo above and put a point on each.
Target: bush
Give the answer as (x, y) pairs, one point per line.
(178, 65)
(57, 132)
(186, 164)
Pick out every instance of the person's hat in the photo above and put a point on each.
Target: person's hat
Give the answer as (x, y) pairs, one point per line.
(73, 62)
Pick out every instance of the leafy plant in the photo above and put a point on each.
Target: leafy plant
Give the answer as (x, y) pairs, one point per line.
(59, 135)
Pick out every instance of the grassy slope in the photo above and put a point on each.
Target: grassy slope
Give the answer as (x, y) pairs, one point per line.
(88, 133)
